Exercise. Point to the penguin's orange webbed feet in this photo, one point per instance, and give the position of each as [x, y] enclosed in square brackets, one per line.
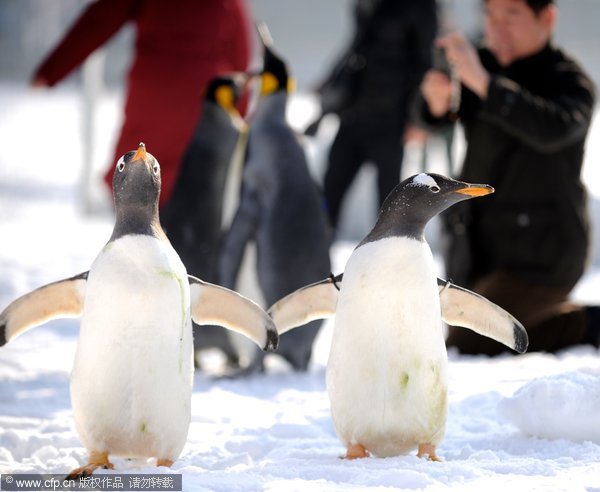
[355, 451]
[429, 451]
[97, 460]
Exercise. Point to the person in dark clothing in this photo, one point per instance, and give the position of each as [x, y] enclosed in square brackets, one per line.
[369, 90]
[526, 107]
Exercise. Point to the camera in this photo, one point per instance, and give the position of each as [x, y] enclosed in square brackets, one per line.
[440, 61]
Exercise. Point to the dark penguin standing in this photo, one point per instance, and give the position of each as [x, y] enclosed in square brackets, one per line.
[386, 373]
[280, 209]
[192, 218]
[132, 377]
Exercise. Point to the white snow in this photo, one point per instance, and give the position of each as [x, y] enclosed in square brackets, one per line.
[567, 407]
[270, 432]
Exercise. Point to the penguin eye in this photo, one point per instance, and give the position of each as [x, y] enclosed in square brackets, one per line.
[121, 166]
[156, 168]
[434, 188]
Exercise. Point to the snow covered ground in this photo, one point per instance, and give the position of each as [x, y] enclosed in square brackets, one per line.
[515, 423]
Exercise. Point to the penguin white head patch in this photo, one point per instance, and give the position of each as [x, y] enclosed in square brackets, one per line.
[424, 180]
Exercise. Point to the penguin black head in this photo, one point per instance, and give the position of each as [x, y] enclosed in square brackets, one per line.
[225, 90]
[136, 178]
[274, 75]
[136, 189]
[418, 199]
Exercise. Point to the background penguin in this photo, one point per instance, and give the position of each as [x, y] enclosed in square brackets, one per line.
[193, 217]
[386, 374]
[280, 209]
[132, 376]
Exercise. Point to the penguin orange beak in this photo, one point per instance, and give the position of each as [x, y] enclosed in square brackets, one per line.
[476, 190]
[141, 153]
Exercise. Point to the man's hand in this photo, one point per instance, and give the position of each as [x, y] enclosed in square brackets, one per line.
[436, 89]
[463, 57]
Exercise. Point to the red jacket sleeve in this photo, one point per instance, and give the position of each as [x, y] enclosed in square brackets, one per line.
[98, 22]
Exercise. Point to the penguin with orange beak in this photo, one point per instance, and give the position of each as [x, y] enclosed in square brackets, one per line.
[131, 382]
[387, 368]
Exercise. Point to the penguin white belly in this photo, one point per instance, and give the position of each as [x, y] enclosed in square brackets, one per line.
[132, 378]
[386, 374]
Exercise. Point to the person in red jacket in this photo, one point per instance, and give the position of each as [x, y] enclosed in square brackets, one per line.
[180, 46]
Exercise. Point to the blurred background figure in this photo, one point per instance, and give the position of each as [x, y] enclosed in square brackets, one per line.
[193, 217]
[180, 46]
[526, 107]
[369, 88]
[280, 210]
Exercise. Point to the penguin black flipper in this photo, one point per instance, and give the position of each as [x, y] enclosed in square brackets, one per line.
[60, 299]
[461, 307]
[315, 301]
[215, 305]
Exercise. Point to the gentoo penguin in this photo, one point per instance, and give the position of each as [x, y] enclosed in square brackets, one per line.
[192, 218]
[386, 374]
[132, 376]
[280, 209]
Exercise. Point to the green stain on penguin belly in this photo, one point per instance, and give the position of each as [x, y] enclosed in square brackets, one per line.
[172, 275]
[404, 378]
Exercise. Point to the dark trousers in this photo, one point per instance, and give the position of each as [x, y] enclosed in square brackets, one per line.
[352, 147]
[551, 321]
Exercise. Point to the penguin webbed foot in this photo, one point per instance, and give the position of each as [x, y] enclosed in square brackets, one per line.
[355, 451]
[97, 460]
[428, 450]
